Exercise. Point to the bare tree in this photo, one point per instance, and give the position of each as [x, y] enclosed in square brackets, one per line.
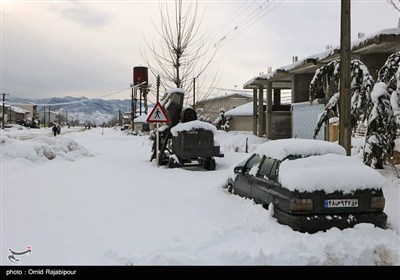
[395, 4]
[181, 54]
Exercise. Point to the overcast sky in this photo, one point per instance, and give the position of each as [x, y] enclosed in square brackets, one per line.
[88, 48]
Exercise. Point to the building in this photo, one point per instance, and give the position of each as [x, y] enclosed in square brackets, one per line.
[241, 117]
[31, 108]
[372, 50]
[210, 108]
[13, 114]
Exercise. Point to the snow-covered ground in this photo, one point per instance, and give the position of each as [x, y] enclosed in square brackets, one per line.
[100, 201]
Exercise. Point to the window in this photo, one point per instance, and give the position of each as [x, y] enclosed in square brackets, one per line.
[254, 160]
[267, 169]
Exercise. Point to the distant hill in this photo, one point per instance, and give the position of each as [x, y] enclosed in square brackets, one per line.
[85, 109]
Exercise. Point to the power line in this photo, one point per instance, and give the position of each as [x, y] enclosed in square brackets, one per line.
[253, 20]
[233, 16]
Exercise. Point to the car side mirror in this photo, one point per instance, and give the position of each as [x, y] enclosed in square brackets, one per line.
[238, 169]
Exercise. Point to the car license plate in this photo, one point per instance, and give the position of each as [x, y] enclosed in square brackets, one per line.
[336, 203]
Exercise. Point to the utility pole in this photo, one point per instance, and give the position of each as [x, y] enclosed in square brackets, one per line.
[158, 87]
[194, 93]
[44, 116]
[132, 111]
[3, 111]
[49, 117]
[140, 101]
[345, 78]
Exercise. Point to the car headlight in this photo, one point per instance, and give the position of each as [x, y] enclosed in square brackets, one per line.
[378, 202]
[300, 205]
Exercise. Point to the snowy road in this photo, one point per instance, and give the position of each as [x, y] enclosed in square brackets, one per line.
[110, 205]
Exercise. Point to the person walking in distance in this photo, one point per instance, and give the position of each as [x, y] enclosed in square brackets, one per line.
[55, 130]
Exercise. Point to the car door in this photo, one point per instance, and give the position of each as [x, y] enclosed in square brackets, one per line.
[264, 181]
[245, 178]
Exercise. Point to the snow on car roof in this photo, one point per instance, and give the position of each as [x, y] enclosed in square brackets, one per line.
[187, 126]
[280, 149]
[329, 173]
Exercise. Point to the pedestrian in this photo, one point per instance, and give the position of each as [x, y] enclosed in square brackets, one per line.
[55, 130]
[58, 129]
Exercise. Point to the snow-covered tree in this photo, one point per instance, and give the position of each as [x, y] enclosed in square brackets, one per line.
[381, 131]
[389, 74]
[222, 121]
[395, 99]
[361, 86]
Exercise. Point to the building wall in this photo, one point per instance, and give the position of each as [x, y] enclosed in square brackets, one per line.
[281, 123]
[211, 108]
[241, 123]
[32, 108]
[374, 62]
[300, 87]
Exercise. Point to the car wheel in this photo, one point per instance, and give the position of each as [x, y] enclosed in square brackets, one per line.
[231, 189]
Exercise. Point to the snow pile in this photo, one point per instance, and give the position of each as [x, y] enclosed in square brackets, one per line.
[188, 126]
[280, 149]
[234, 141]
[41, 148]
[315, 173]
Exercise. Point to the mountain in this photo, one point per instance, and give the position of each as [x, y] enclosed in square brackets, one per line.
[87, 110]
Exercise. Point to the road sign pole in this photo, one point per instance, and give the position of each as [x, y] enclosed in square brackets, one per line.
[157, 144]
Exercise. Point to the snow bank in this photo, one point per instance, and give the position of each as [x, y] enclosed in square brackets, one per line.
[234, 141]
[280, 149]
[188, 126]
[329, 173]
[41, 148]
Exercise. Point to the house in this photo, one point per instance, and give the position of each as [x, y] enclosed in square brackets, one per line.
[31, 108]
[210, 108]
[141, 124]
[241, 117]
[12, 114]
[372, 50]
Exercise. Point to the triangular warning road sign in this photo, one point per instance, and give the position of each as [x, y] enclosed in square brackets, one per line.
[158, 115]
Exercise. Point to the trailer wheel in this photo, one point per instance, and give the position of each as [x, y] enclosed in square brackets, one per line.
[209, 164]
[212, 164]
[171, 163]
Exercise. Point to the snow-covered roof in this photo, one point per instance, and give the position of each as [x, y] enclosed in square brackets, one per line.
[372, 36]
[14, 109]
[330, 173]
[261, 77]
[322, 55]
[187, 126]
[141, 118]
[228, 95]
[242, 110]
[280, 149]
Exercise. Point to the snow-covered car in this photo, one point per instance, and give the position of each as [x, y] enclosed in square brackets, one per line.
[311, 184]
